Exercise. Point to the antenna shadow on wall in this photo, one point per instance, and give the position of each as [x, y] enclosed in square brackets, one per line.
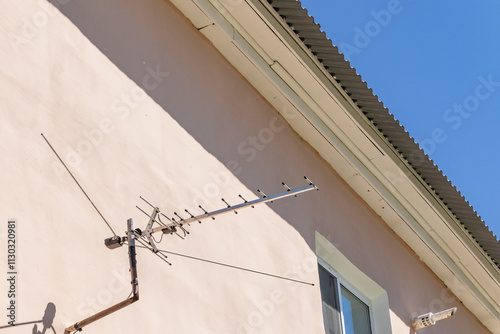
[46, 322]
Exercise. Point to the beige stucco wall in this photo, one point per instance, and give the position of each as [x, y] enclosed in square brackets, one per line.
[139, 103]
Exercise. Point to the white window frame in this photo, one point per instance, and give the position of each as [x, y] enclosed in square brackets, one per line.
[367, 290]
[338, 293]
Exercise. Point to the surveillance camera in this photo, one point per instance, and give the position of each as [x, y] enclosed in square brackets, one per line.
[430, 318]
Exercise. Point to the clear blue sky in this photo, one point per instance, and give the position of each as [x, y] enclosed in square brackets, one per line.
[436, 66]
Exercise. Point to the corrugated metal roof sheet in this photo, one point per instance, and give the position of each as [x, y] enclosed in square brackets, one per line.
[328, 54]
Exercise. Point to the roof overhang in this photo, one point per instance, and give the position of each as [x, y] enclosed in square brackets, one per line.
[256, 40]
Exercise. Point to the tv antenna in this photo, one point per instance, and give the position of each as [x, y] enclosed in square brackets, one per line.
[160, 223]
[171, 225]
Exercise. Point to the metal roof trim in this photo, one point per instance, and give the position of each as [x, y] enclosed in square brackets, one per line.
[298, 19]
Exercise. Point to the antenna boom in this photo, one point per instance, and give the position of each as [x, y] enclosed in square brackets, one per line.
[293, 192]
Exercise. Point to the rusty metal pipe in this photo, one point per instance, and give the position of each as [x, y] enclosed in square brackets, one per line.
[134, 281]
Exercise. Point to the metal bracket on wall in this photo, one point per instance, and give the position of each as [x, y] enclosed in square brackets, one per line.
[77, 327]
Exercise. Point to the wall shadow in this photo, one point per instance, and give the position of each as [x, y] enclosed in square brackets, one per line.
[163, 53]
[43, 326]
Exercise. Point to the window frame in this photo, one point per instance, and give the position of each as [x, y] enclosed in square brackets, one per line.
[342, 281]
[366, 289]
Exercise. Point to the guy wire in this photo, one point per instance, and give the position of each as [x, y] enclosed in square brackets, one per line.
[227, 265]
[99, 212]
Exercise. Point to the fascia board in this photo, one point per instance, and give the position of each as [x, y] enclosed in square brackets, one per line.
[319, 110]
[377, 139]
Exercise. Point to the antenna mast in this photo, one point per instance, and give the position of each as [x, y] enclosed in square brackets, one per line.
[77, 327]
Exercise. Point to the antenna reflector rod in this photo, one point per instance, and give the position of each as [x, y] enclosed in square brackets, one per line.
[206, 212]
[286, 187]
[164, 215]
[311, 183]
[264, 196]
[253, 206]
[192, 216]
[154, 207]
[228, 205]
[226, 202]
[182, 219]
[152, 217]
[174, 223]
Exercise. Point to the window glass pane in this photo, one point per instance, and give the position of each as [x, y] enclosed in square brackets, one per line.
[355, 313]
[331, 307]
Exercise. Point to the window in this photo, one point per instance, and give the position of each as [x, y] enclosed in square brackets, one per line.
[343, 311]
[359, 284]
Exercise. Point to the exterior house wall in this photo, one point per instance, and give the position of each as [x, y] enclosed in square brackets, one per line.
[138, 102]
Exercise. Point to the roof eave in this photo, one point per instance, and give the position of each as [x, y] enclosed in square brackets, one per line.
[261, 45]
